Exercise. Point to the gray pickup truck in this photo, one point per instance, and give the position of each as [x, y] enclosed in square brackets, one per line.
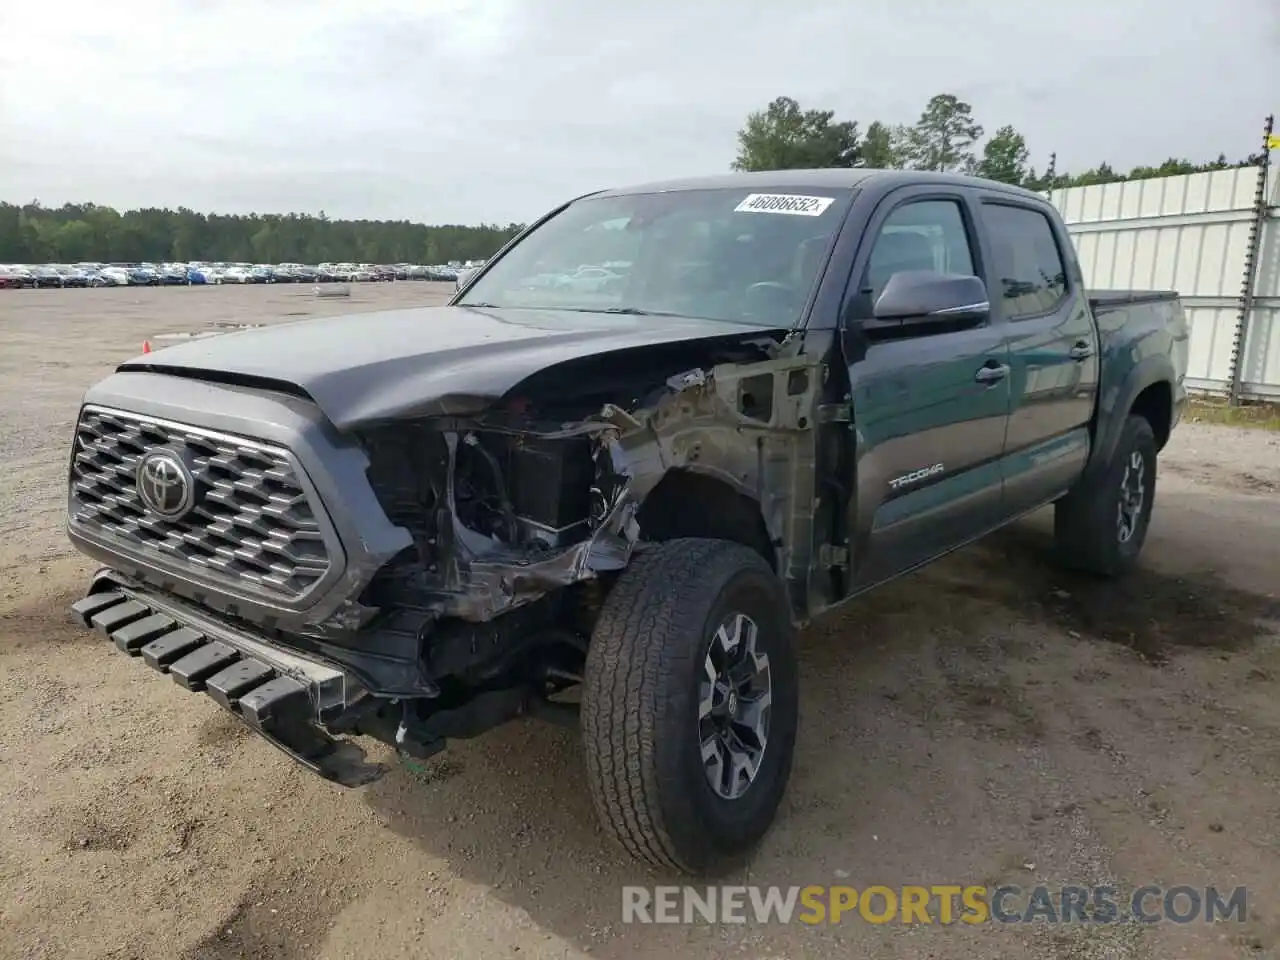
[609, 503]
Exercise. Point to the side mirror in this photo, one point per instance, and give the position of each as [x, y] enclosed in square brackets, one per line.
[463, 277]
[914, 297]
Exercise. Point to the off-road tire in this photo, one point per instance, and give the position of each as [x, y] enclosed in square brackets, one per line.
[1085, 524]
[640, 704]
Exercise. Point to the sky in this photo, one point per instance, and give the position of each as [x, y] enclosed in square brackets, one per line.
[453, 111]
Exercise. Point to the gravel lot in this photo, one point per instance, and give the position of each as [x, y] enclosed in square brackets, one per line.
[988, 720]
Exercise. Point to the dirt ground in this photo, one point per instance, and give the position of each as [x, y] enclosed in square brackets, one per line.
[988, 720]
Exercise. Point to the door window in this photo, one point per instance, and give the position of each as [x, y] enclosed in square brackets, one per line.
[1028, 264]
[921, 235]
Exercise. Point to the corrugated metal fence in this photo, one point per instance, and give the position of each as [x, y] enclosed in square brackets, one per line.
[1191, 234]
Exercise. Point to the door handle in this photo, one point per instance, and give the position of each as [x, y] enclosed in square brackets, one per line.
[1081, 351]
[992, 373]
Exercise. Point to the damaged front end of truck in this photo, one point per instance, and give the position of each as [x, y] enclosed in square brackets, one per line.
[501, 523]
[522, 515]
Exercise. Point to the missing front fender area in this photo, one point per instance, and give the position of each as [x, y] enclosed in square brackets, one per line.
[500, 513]
[510, 506]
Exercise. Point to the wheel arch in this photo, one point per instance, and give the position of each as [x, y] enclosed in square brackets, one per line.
[1155, 404]
[1147, 390]
[688, 502]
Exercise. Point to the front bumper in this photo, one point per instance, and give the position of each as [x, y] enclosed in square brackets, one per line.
[284, 696]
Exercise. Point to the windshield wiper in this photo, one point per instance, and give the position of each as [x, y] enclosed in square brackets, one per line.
[627, 312]
[615, 311]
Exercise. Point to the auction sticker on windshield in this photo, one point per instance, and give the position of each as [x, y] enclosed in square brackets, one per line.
[791, 204]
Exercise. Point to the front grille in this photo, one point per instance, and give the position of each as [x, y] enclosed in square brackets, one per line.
[251, 526]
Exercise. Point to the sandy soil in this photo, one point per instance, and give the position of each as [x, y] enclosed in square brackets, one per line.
[987, 720]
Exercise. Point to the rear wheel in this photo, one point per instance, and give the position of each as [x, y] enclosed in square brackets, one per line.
[690, 704]
[1100, 526]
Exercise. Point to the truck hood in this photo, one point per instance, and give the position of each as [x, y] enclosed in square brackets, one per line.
[370, 367]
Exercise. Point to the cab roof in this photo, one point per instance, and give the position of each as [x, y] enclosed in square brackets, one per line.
[831, 178]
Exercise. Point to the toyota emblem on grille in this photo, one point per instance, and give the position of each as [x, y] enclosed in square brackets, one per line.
[165, 485]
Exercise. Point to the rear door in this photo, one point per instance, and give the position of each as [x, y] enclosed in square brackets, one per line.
[929, 410]
[1037, 291]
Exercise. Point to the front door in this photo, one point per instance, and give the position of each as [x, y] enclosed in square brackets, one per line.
[929, 411]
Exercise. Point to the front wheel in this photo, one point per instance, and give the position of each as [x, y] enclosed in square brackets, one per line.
[1100, 526]
[690, 704]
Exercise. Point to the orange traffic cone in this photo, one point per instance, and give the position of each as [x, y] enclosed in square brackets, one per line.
[146, 346]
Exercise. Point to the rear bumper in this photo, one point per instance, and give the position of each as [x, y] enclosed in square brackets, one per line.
[282, 695]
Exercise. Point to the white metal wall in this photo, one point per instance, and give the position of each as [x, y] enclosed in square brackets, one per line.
[1190, 234]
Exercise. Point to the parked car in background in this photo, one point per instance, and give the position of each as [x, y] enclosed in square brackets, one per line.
[71, 276]
[590, 278]
[45, 276]
[14, 277]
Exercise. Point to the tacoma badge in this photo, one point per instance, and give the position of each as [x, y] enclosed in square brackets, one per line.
[915, 476]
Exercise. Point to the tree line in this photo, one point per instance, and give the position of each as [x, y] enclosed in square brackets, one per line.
[86, 232]
[945, 138]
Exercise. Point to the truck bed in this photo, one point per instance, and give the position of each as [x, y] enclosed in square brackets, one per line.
[1134, 328]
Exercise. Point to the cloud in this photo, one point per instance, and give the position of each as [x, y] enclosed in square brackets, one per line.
[494, 110]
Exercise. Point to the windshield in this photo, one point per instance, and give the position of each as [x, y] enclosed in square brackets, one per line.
[727, 255]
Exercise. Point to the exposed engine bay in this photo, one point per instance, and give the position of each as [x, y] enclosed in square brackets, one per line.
[534, 495]
[497, 513]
